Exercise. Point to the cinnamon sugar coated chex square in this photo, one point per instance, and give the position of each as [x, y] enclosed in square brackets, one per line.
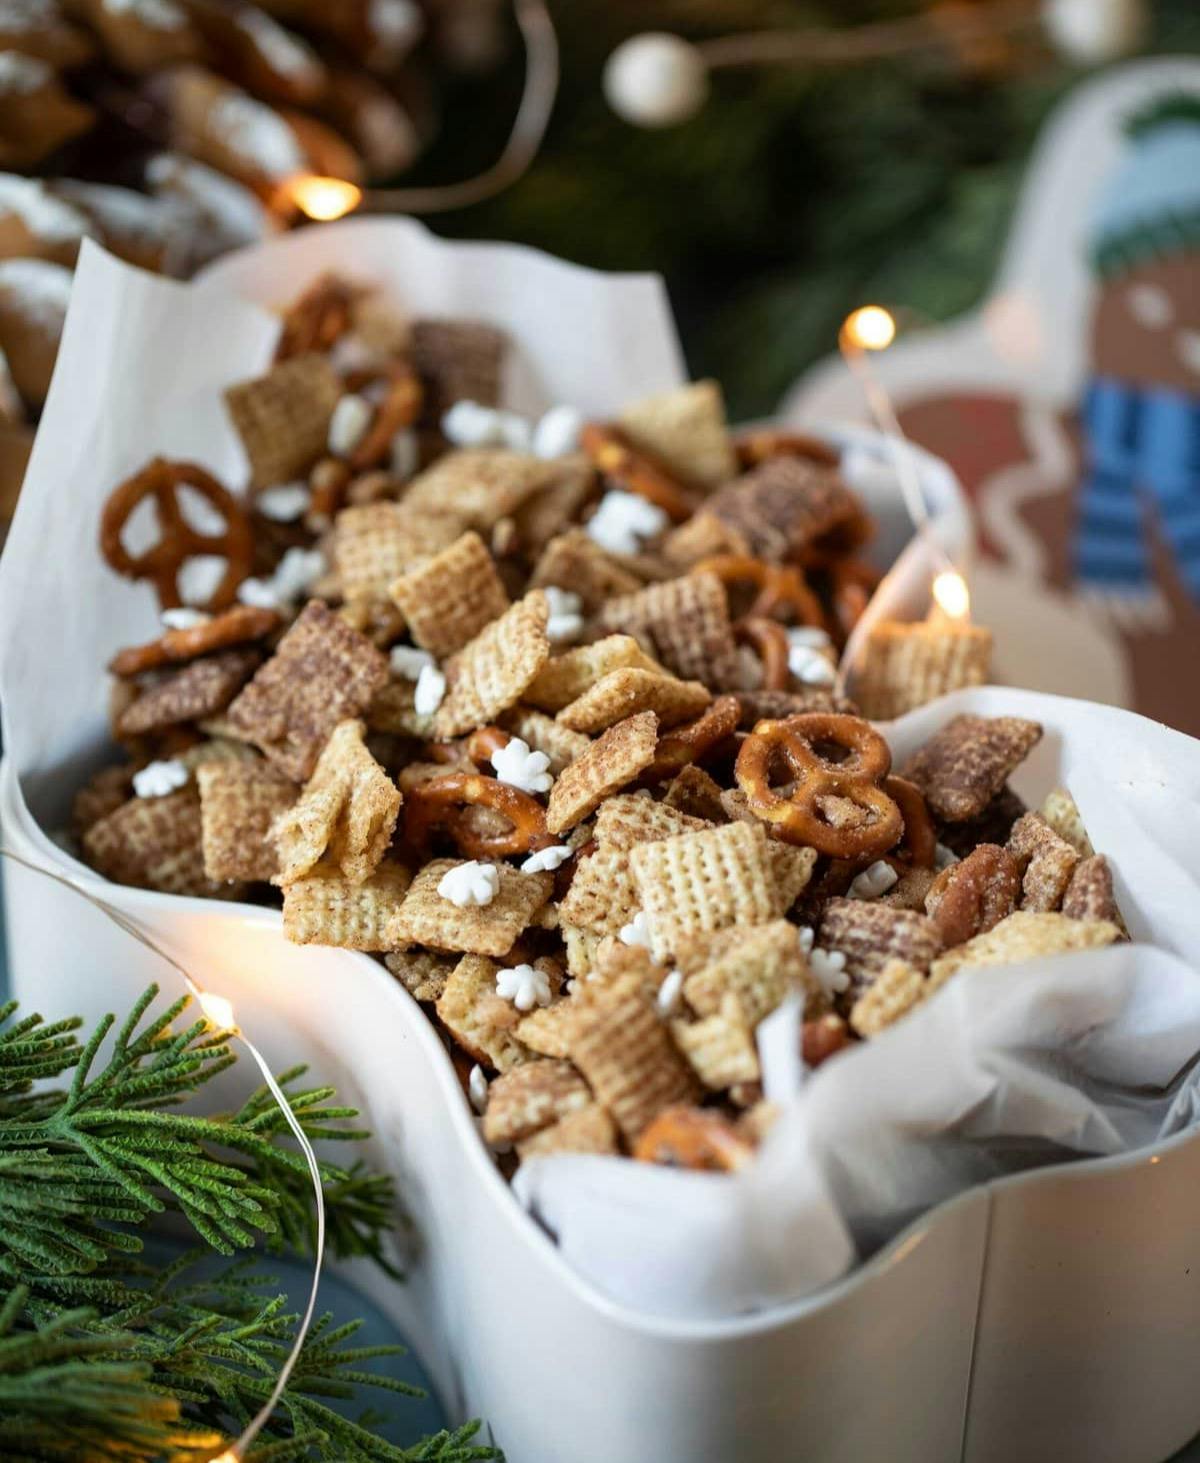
[479, 486]
[547, 1030]
[609, 764]
[492, 672]
[197, 690]
[422, 973]
[1046, 862]
[541, 733]
[780, 508]
[326, 908]
[904, 666]
[374, 544]
[457, 360]
[576, 562]
[531, 1097]
[719, 1048]
[1025, 935]
[239, 801]
[322, 672]
[1090, 895]
[346, 812]
[450, 597]
[871, 934]
[1061, 812]
[283, 418]
[966, 764]
[566, 677]
[153, 843]
[685, 623]
[624, 693]
[685, 429]
[894, 992]
[758, 965]
[480, 1020]
[428, 918]
[588, 1130]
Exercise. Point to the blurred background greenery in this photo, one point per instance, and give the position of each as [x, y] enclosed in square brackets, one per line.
[793, 196]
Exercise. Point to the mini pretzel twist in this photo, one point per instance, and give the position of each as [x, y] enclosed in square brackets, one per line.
[440, 801]
[236, 626]
[918, 848]
[612, 455]
[693, 1137]
[161, 481]
[796, 814]
[318, 319]
[683, 745]
[400, 408]
[755, 448]
[852, 584]
[769, 640]
[779, 586]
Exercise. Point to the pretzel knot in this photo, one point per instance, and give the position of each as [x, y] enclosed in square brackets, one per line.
[683, 745]
[403, 398]
[779, 586]
[768, 639]
[798, 812]
[442, 800]
[693, 1137]
[161, 481]
[612, 455]
[318, 319]
[918, 848]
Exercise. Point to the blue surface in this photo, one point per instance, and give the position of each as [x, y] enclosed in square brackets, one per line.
[408, 1418]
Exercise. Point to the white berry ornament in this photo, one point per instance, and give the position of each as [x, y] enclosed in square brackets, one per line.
[656, 80]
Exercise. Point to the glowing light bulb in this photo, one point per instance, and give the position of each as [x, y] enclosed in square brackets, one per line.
[320, 198]
[219, 1012]
[952, 595]
[229, 1456]
[870, 328]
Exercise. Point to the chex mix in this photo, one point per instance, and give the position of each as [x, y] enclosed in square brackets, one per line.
[547, 715]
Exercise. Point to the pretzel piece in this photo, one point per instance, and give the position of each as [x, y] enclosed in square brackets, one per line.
[798, 816]
[693, 1137]
[161, 481]
[235, 626]
[779, 586]
[684, 745]
[441, 799]
[611, 454]
[768, 639]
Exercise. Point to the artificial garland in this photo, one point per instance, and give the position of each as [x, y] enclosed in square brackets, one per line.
[105, 1356]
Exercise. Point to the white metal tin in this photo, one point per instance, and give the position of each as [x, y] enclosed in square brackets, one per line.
[1054, 1316]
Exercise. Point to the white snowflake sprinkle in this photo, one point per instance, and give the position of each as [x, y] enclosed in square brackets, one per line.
[623, 521]
[184, 618]
[348, 424]
[638, 932]
[557, 432]
[157, 779]
[260, 593]
[667, 999]
[284, 503]
[525, 986]
[829, 969]
[409, 662]
[430, 692]
[566, 614]
[943, 857]
[807, 937]
[811, 636]
[546, 860]
[477, 1086]
[517, 765]
[471, 885]
[471, 424]
[810, 667]
[404, 453]
[873, 881]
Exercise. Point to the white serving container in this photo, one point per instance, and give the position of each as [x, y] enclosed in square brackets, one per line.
[1052, 1316]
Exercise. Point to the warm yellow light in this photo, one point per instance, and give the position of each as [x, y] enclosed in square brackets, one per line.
[219, 1012]
[870, 328]
[227, 1457]
[321, 198]
[952, 595]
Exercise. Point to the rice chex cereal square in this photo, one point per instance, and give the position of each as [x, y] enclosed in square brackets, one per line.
[449, 598]
[426, 918]
[239, 801]
[480, 1020]
[193, 692]
[623, 693]
[283, 418]
[492, 672]
[685, 429]
[609, 763]
[685, 623]
[325, 908]
[966, 764]
[531, 1097]
[153, 843]
[373, 544]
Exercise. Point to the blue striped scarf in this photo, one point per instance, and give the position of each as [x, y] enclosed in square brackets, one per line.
[1142, 452]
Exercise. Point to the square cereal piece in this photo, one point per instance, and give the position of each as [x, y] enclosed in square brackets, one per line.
[628, 819]
[602, 897]
[994, 824]
[238, 803]
[904, 666]
[608, 765]
[283, 418]
[479, 485]
[425, 918]
[531, 1097]
[589, 1130]
[322, 672]
[685, 623]
[566, 677]
[449, 598]
[393, 711]
[543, 734]
[1061, 812]
[103, 793]
[347, 810]
[704, 880]
[478, 1019]
[422, 973]
[153, 843]
[1046, 862]
[629, 1061]
[1025, 935]
[547, 1029]
[197, 690]
[625, 692]
[493, 671]
[685, 429]
[325, 908]
[758, 964]
[1090, 893]
[695, 792]
[793, 870]
[373, 544]
[719, 1048]
[966, 764]
[217, 749]
[870, 934]
[898, 987]
[553, 509]
[783, 507]
[576, 562]
[457, 360]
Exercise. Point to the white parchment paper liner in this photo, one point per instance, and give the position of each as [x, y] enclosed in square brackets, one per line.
[1006, 1068]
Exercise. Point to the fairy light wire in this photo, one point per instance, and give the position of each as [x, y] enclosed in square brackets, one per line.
[210, 1004]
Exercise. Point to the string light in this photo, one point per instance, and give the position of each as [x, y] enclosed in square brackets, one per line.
[951, 595]
[870, 328]
[218, 1011]
[319, 198]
